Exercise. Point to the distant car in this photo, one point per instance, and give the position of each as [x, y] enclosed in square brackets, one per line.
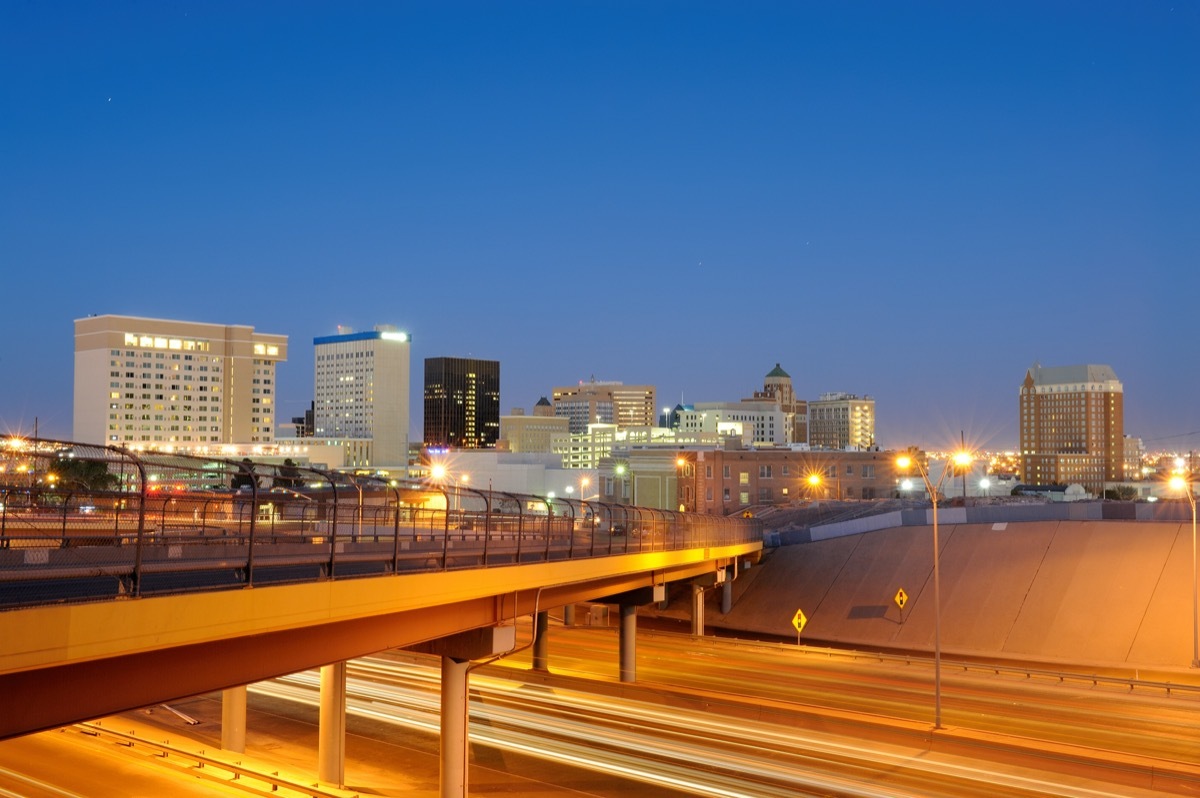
[618, 529]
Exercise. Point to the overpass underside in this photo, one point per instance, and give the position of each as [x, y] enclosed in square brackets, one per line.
[66, 663]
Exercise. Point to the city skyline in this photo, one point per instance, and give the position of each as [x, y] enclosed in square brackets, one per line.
[913, 203]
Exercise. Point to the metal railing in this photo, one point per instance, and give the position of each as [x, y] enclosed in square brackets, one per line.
[88, 523]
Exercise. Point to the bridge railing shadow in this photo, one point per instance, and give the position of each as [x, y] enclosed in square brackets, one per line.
[89, 523]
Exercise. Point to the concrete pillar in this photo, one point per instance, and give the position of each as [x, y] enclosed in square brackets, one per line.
[697, 610]
[233, 719]
[569, 615]
[541, 641]
[454, 751]
[726, 595]
[456, 652]
[627, 642]
[331, 735]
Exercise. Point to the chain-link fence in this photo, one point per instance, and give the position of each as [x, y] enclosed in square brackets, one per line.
[81, 523]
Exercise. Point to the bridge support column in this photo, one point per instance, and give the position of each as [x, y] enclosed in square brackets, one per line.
[627, 644]
[233, 719]
[456, 652]
[569, 614]
[629, 601]
[541, 641]
[727, 595]
[699, 585]
[454, 752]
[331, 743]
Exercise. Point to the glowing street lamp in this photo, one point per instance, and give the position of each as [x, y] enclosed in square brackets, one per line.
[814, 481]
[960, 460]
[1183, 483]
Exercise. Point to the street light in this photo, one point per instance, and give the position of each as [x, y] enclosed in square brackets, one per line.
[1180, 482]
[959, 460]
[439, 473]
[816, 481]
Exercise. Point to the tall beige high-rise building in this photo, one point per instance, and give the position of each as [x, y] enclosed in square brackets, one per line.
[841, 421]
[1072, 426]
[361, 394]
[174, 384]
[605, 402]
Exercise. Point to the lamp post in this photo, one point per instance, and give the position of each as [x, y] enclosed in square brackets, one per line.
[904, 462]
[816, 481]
[441, 475]
[1184, 483]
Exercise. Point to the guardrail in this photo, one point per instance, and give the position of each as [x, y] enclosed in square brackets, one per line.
[1015, 670]
[249, 778]
[85, 523]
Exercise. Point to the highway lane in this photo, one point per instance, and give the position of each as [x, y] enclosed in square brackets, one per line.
[1145, 721]
[699, 752]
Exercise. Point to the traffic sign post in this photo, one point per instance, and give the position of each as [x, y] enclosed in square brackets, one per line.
[901, 598]
[798, 621]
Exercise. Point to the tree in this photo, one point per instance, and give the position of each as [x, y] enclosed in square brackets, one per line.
[244, 478]
[74, 473]
[289, 475]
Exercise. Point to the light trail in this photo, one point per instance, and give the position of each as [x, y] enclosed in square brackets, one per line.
[687, 750]
[38, 783]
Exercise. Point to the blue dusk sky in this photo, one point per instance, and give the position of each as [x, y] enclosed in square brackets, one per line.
[910, 200]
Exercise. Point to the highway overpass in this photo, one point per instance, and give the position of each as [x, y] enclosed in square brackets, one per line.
[142, 579]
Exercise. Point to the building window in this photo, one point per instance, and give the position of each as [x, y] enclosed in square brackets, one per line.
[764, 472]
[744, 478]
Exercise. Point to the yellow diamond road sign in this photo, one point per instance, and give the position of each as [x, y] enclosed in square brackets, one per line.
[901, 598]
[799, 621]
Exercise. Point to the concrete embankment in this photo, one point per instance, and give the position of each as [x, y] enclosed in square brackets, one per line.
[1104, 592]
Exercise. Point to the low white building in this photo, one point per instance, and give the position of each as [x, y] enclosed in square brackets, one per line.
[750, 421]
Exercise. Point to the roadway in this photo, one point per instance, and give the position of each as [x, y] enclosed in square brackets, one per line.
[1025, 700]
[730, 718]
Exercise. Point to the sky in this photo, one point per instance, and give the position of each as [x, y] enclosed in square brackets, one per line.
[914, 201]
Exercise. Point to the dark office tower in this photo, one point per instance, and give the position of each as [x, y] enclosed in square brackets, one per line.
[462, 402]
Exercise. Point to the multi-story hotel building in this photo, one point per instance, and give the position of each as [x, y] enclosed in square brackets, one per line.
[605, 402]
[174, 384]
[1072, 426]
[361, 394]
[841, 421]
[462, 402]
